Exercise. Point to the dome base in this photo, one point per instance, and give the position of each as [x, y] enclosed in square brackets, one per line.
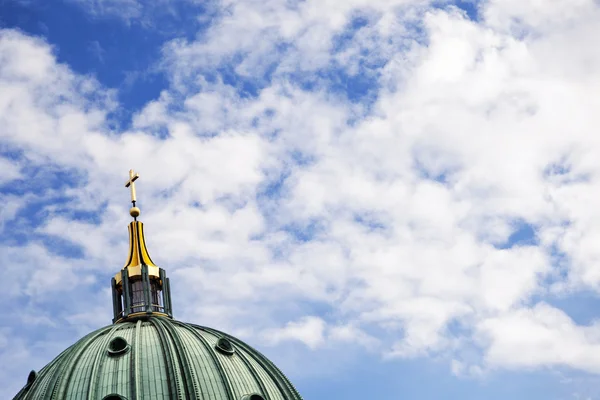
[161, 359]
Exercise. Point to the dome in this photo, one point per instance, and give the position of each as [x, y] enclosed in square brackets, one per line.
[147, 355]
[159, 358]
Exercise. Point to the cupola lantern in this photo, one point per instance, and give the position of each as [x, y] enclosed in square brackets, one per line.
[141, 288]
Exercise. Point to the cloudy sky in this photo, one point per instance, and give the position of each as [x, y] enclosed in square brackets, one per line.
[389, 198]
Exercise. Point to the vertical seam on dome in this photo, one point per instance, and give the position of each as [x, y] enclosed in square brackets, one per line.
[186, 366]
[134, 384]
[276, 373]
[43, 380]
[98, 362]
[262, 386]
[210, 351]
[172, 380]
[27, 391]
[282, 382]
[59, 381]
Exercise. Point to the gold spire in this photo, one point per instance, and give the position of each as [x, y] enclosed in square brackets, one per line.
[138, 254]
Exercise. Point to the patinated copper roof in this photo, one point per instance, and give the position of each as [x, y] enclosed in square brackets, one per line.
[162, 359]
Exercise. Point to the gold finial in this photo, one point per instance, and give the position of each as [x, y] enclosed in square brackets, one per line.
[134, 211]
[137, 245]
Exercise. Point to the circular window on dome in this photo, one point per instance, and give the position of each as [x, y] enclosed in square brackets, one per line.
[114, 396]
[253, 396]
[31, 378]
[118, 346]
[225, 346]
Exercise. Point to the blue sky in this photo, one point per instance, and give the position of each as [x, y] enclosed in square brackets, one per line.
[391, 199]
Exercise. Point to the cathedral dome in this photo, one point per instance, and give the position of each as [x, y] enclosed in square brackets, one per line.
[159, 358]
[147, 355]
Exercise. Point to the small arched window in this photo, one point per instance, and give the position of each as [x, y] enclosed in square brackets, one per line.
[114, 396]
[253, 396]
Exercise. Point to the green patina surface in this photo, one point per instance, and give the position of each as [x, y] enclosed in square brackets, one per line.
[161, 359]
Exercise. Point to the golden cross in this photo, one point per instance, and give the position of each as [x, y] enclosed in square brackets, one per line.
[132, 177]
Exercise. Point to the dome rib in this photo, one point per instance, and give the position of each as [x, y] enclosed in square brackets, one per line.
[172, 376]
[48, 380]
[209, 350]
[135, 361]
[40, 385]
[99, 362]
[248, 365]
[185, 365]
[282, 382]
[67, 366]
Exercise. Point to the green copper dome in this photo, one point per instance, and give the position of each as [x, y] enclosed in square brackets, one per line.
[146, 355]
[162, 359]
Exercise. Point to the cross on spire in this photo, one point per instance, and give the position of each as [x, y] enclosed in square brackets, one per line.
[130, 184]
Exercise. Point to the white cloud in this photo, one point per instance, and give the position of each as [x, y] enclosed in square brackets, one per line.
[478, 106]
[541, 16]
[308, 330]
[542, 335]
[314, 332]
[9, 171]
[352, 334]
[394, 217]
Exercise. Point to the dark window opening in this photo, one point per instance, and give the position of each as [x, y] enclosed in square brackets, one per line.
[138, 301]
[137, 297]
[118, 346]
[156, 295]
[253, 396]
[225, 346]
[114, 396]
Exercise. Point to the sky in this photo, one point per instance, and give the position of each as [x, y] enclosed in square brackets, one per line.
[391, 199]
